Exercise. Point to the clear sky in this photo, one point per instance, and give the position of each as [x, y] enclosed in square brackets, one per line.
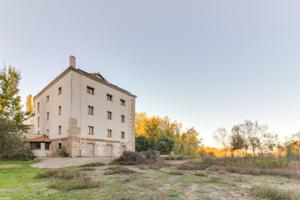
[207, 64]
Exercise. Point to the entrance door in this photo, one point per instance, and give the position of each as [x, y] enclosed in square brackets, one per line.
[109, 150]
[90, 150]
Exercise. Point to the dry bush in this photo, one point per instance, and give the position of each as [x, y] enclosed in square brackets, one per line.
[95, 164]
[271, 193]
[81, 182]
[130, 158]
[118, 170]
[257, 171]
[59, 174]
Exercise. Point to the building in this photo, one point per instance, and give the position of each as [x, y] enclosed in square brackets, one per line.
[84, 114]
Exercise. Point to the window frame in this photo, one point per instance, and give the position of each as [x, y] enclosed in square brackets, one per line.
[109, 115]
[59, 130]
[123, 118]
[91, 130]
[59, 91]
[90, 90]
[123, 102]
[122, 134]
[109, 133]
[90, 108]
[109, 97]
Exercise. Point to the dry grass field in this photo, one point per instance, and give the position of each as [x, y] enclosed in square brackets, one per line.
[18, 180]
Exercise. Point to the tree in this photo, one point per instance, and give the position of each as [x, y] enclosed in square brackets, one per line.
[251, 132]
[29, 105]
[141, 143]
[269, 142]
[236, 140]
[188, 143]
[221, 136]
[12, 144]
[165, 145]
[10, 101]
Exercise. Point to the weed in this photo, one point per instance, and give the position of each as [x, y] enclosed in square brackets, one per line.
[118, 170]
[175, 173]
[73, 184]
[95, 164]
[271, 193]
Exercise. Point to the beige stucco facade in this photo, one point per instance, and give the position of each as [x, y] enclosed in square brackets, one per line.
[62, 113]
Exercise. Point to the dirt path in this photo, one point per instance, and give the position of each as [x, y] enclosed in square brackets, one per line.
[68, 162]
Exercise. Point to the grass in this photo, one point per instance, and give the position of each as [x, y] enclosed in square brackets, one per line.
[95, 164]
[271, 193]
[21, 181]
[175, 173]
[118, 170]
[77, 183]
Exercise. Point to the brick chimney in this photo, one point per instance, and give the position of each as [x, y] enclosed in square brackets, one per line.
[72, 61]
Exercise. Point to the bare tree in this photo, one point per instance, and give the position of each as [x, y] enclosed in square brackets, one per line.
[221, 136]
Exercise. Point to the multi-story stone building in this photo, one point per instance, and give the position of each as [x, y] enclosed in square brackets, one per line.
[83, 113]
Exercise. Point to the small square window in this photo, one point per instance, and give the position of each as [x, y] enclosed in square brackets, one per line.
[109, 115]
[109, 97]
[109, 133]
[48, 98]
[122, 118]
[38, 121]
[47, 131]
[59, 90]
[48, 115]
[90, 90]
[122, 101]
[59, 130]
[122, 135]
[90, 110]
[91, 130]
[59, 145]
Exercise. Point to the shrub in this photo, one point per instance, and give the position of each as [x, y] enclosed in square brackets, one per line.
[96, 164]
[130, 158]
[118, 170]
[152, 155]
[62, 152]
[271, 193]
[78, 183]
[59, 174]
[175, 173]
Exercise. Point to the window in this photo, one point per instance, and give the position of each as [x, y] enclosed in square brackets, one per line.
[38, 132]
[109, 115]
[59, 91]
[35, 145]
[122, 101]
[91, 110]
[90, 90]
[122, 135]
[48, 98]
[109, 132]
[38, 122]
[91, 130]
[59, 145]
[59, 130]
[59, 110]
[38, 107]
[47, 146]
[109, 97]
[48, 115]
[47, 131]
[123, 118]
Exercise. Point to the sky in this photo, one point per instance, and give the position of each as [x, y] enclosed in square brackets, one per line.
[204, 63]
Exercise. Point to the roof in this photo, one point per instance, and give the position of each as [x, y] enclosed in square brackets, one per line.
[94, 76]
[37, 138]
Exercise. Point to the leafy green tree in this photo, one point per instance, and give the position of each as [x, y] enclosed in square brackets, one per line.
[141, 143]
[10, 101]
[165, 145]
[12, 144]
